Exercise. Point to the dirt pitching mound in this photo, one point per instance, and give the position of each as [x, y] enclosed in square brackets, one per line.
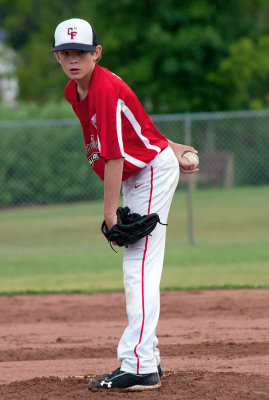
[214, 345]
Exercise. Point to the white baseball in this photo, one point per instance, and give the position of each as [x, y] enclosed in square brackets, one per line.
[191, 158]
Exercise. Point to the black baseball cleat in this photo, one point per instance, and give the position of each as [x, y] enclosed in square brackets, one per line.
[159, 366]
[126, 382]
[102, 376]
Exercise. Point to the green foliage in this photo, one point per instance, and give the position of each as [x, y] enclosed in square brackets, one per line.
[41, 167]
[54, 109]
[30, 28]
[243, 74]
[178, 56]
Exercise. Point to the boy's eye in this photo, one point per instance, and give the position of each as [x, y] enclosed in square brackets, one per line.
[67, 53]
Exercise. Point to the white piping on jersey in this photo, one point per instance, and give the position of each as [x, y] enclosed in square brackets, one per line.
[127, 157]
[94, 121]
[130, 116]
[119, 128]
[135, 161]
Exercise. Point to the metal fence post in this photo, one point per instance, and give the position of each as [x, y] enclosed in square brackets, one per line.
[188, 140]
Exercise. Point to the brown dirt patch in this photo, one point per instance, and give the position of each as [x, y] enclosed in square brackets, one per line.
[214, 345]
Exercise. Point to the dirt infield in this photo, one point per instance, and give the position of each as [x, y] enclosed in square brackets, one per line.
[214, 345]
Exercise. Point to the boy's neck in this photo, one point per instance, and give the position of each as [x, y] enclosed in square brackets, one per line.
[83, 86]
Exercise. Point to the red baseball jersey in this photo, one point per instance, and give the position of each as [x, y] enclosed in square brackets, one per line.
[115, 124]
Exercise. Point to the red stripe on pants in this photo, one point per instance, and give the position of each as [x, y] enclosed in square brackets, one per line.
[142, 278]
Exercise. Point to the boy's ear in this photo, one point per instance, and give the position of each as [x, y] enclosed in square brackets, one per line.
[98, 52]
[56, 55]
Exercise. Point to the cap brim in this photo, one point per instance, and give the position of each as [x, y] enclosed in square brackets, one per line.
[74, 46]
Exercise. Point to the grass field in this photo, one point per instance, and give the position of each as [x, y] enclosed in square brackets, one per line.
[60, 248]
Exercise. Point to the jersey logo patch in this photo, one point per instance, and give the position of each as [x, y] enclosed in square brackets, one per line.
[93, 157]
[92, 150]
[91, 146]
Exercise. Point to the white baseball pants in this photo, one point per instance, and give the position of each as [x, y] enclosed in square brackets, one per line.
[150, 190]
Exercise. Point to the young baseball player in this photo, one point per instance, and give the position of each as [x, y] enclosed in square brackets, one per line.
[125, 150]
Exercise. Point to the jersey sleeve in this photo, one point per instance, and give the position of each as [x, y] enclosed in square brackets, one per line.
[108, 122]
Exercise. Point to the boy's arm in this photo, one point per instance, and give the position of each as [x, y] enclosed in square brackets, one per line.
[179, 150]
[112, 188]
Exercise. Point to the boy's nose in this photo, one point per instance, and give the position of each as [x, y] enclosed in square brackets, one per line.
[74, 56]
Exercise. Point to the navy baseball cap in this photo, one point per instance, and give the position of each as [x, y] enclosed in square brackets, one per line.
[75, 34]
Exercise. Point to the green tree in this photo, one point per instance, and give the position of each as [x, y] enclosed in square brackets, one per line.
[178, 56]
[30, 27]
[243, 75]
[170, 59]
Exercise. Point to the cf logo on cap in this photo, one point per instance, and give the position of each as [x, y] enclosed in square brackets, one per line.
[71, 33]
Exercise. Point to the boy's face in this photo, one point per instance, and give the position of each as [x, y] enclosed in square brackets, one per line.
[78, 64]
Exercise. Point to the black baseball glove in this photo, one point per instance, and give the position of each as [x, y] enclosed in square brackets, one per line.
[130, 227]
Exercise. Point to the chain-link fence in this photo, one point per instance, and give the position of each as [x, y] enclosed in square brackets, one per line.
[43, 162]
